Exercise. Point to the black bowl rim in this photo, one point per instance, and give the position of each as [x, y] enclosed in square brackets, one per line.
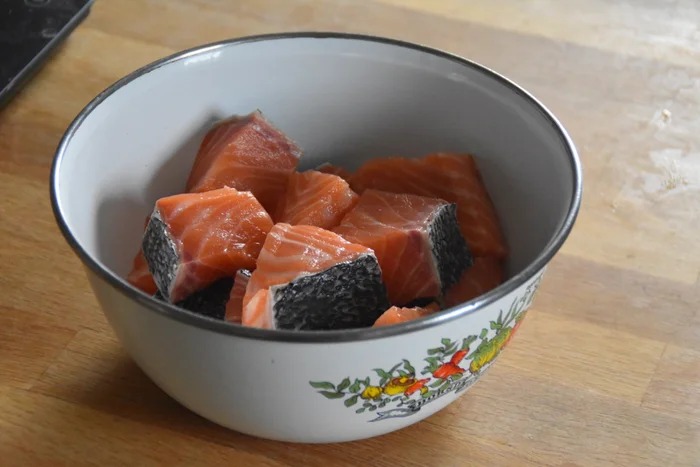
[351, 335]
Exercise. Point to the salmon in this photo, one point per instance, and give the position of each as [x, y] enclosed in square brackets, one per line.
[209, 301]
[246, 153]
[315, 198]
[308, 278]
[258, 312]
[416, 239]
[234, 305]
[454, 178]
[140, 276]
[396, 315]
[484, 275]
[334, 170]
[194, 239]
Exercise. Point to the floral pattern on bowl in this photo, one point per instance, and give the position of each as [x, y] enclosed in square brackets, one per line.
[453, 366]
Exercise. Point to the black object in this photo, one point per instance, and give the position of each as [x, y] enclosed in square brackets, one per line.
[450, 249]
[345, 296]
[29, 31]
[210, 301]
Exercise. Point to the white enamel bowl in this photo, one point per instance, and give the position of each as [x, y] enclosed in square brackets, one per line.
[345, 99]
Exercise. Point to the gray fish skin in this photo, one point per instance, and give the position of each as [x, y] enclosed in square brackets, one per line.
[210, 301]
[345, 296]
[161, 254]
[450, 250]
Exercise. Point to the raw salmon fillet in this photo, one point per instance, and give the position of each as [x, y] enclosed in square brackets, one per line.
[484, 275]
[258, 313]
[452, 177]
[234, 306]
[246, 153]
[396, 315]
[334, 170]
[194, 239]
[308, 278]
[315, 198]
[139, 276]
[416, 239]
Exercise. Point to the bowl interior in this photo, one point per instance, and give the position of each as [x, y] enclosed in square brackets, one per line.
[345, 100]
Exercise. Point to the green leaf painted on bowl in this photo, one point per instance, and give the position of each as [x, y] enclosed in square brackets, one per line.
[344, 384]
[355, 386]
[351, 400]
[381, 373]
[432, 360]
[467, 342]
[322, 385]
[436, 383]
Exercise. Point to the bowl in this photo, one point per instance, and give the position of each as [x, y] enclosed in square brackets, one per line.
[345, 98]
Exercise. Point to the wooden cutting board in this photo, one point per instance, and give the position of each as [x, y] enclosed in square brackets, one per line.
[604, 372]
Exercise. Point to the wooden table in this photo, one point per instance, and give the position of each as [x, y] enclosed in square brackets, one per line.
[606, 369]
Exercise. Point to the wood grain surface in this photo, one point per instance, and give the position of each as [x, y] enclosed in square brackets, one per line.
[604, 372]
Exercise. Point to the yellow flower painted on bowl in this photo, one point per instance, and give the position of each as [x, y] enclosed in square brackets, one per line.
[371, 392]
[398, 385]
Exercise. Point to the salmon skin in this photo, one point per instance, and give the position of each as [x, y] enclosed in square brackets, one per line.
[209, 301]
[139, 276]
[246, 153]
[416, 239]
[486, 274]
[234, 305]
[396, 315]
[334, 170]
[194, 239]
[315, 198]
[454, 178]
[308, 278]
